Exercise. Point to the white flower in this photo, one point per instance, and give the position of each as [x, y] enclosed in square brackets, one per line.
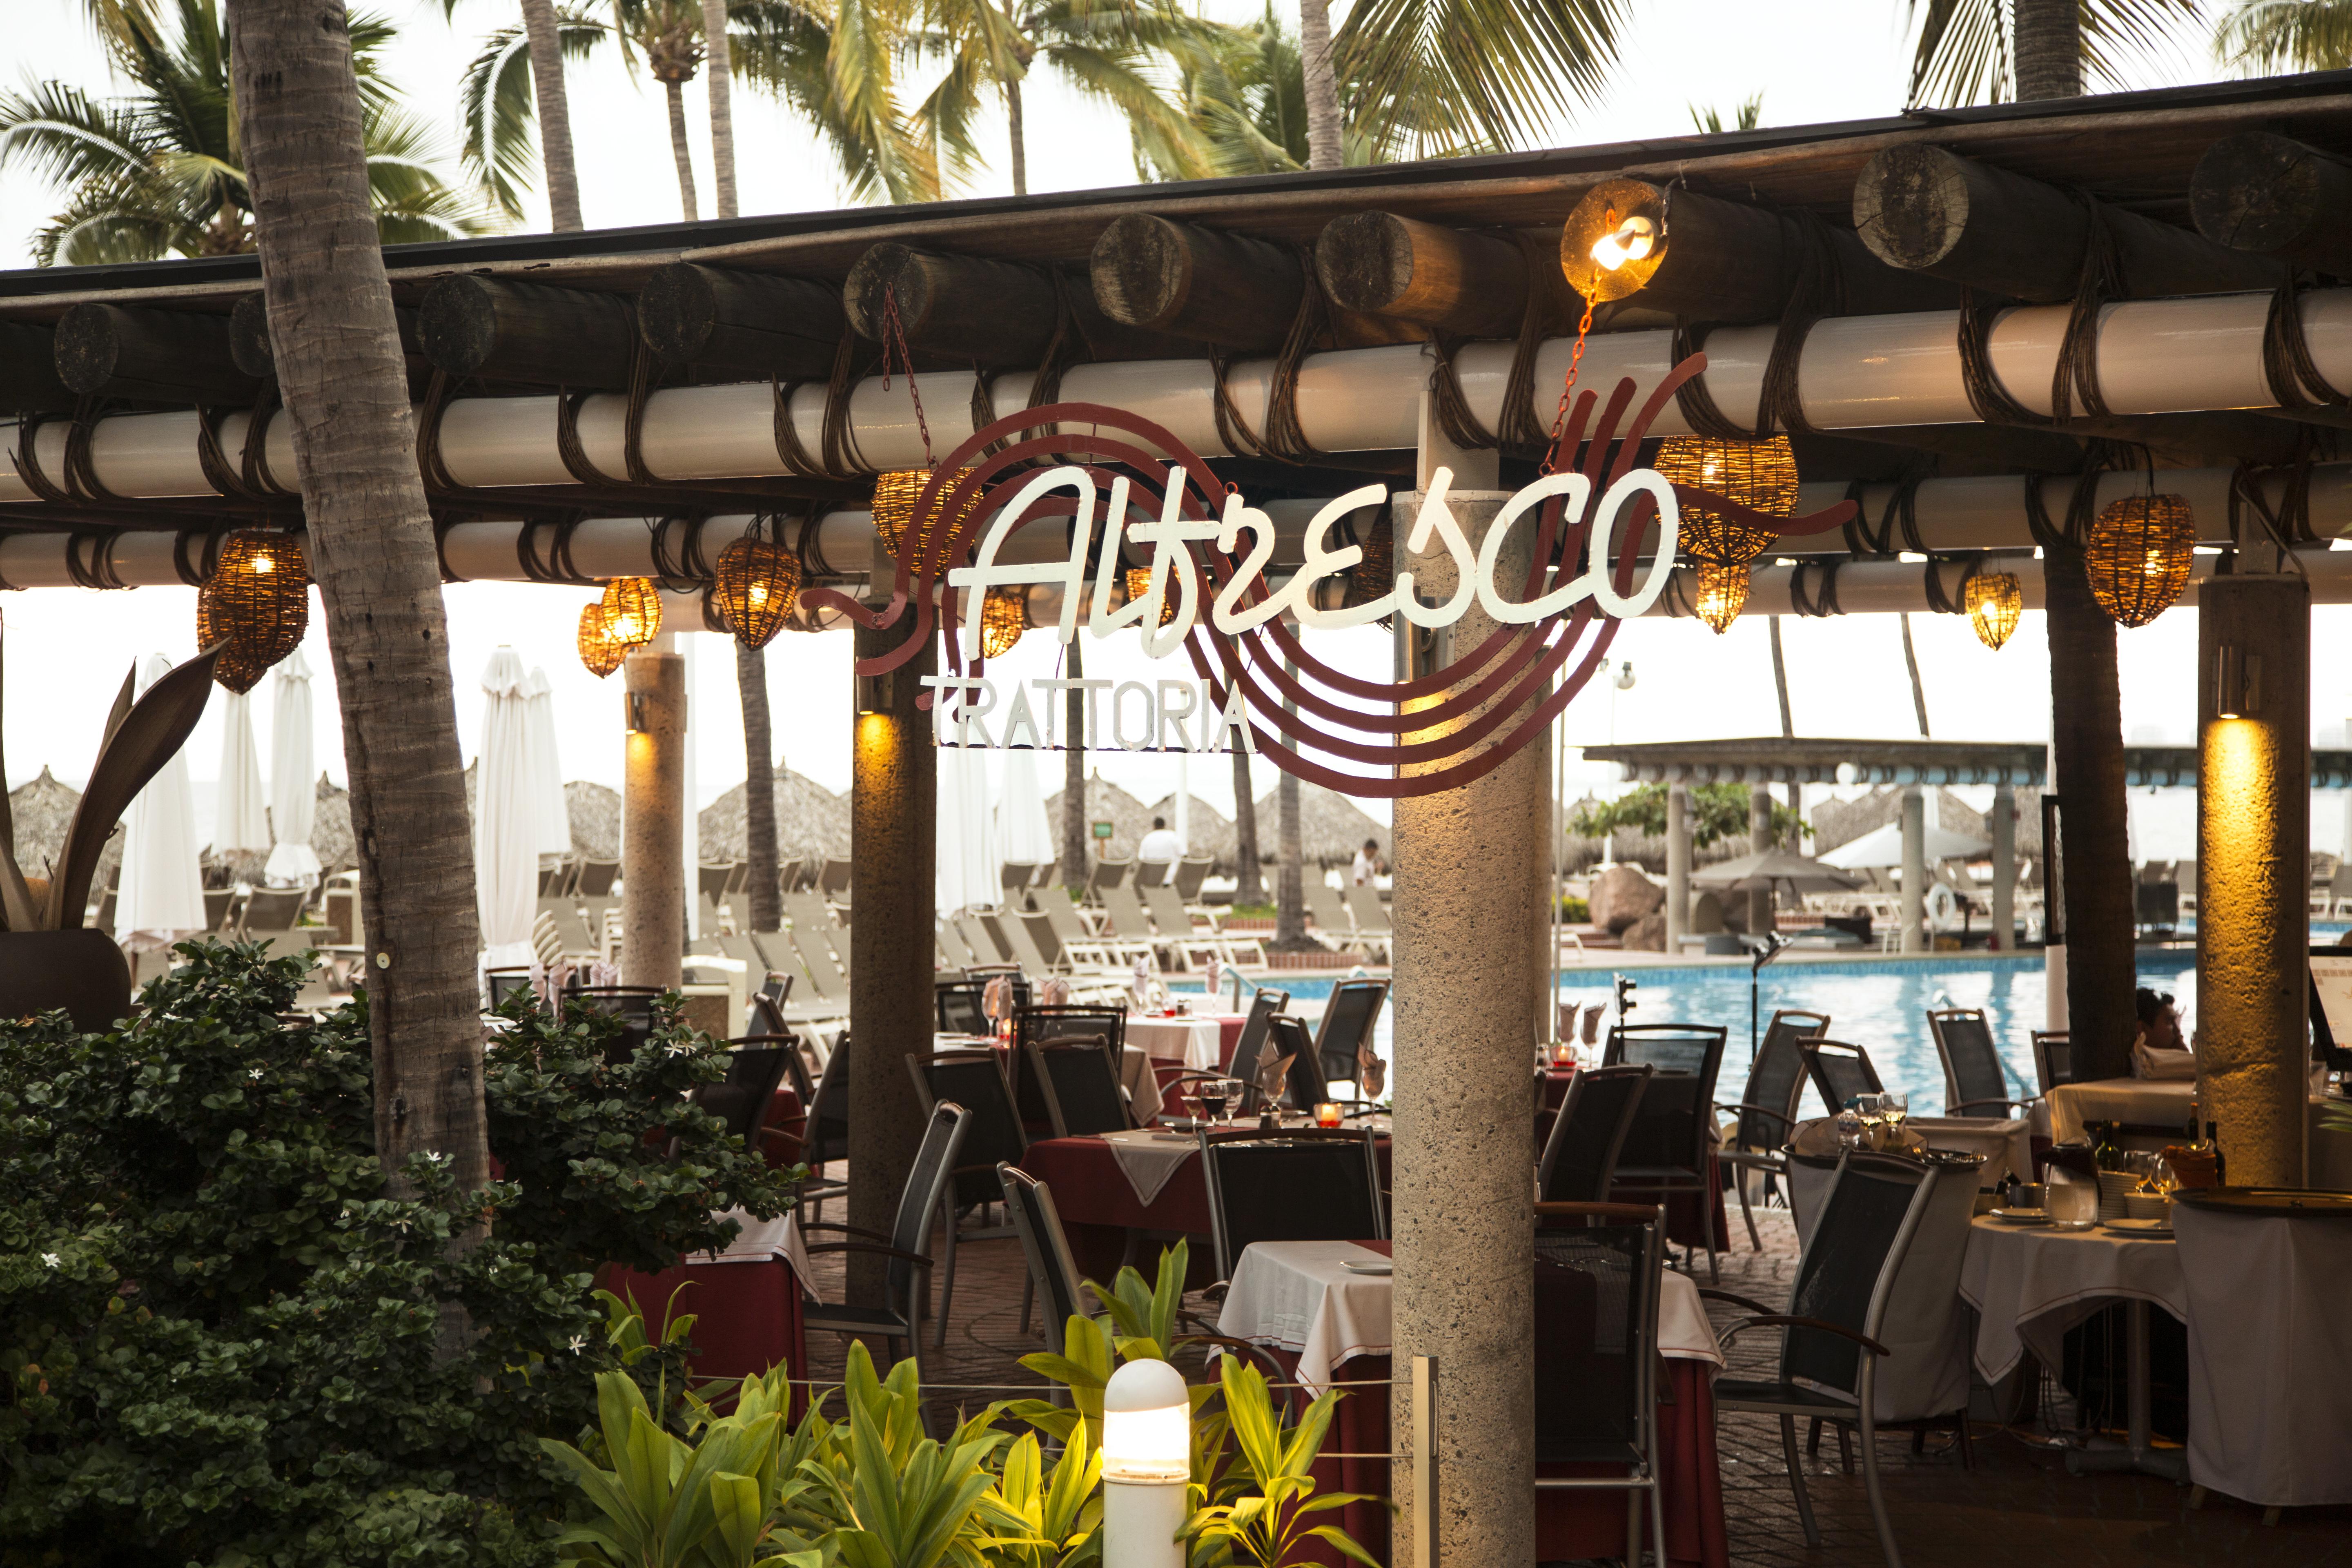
[254, 1073]
[403, 1223]
[579, 1343]
[49, 1259]
[678, 1047]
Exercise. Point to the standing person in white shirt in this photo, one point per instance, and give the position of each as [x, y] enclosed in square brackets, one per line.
[1367, 863]
[1161, 842]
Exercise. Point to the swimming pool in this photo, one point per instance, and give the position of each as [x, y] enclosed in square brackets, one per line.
[1881, 1007]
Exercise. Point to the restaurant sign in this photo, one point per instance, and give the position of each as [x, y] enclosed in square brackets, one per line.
[1121, 489]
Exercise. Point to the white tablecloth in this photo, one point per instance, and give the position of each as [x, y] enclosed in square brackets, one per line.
[762, 1240]
[2030, 1284]
[1192, 1041]
[2270, 1369]
[1298, 1295]
[2006, 1146]
[2142, 1102]
[1148, 1159]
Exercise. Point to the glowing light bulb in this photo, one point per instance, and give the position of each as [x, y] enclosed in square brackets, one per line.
[263, 565]
[1632, 241]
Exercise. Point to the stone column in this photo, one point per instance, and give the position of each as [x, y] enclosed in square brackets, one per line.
[653, 837]
[2254, 844]
[2005, 868]
[1678, 865]
[1915, 869]
[893, 801]
[1760, 839]
[1469, 889]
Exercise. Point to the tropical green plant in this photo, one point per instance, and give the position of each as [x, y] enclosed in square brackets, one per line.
[1968, 51]
[1267, 1522]
[221, 1325]
[2263, 37]
[1441, 76]
[1745, 115]
[1718, 812]
[498, 106]
[158, 172]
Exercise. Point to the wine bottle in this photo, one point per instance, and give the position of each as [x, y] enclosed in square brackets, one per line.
[2220, 1162]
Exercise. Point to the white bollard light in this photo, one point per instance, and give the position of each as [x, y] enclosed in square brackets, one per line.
[1147, 1447]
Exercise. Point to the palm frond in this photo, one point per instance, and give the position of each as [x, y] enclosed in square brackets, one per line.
[1500, 67]
[59, 133]
[1965, 50]
[497, 112]
[2265, 38]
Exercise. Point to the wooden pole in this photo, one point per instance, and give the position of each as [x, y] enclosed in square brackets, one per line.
[154, 357]
[745, 324]
[1225, 289]
[653, 821]
[1074, 776]
[2005, 868]
[496, 330]
[1760, 839]
[893, 802]
[1729, 262]
[994, 314]
[1678, 865]
[1915, 869]
[2086, 746]
[1455, 281]
[1926, 210]
[2261, 192]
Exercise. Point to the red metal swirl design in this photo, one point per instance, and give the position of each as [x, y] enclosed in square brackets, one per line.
[1465, 719]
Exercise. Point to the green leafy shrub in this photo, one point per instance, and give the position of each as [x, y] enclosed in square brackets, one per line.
[227, 1339]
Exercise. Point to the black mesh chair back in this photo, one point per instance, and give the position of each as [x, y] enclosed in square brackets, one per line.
[1580, 1158]
[1249, 1046]
[1670, 1137]
[960, 1006]
[827, 1136]
[1868, 1216]
[1287, 1036]
[634, 1006]
[1076, 1079]
[507, 981]
[1346, 1031]
[1596, 1314]
[1105, 1024]
[1840, 1072]
[2053, 1057]
[974, 1080]
[927, 1184]
[741, 1099]
[1669, 1048]
[1307, 1185]
[1975, 1082]
[1775, 1079]
[796, 1062]
[1052, 1267]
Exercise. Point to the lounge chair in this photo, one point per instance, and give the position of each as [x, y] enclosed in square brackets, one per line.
[1193, 938]
[953, 948]
[597, 877]
[833, 881]
[1371, 916]
[573, 939]
[1335, 928]
[1076, 944]
[826, 978]
[987, 952]
[1129, 924]
[1191, 873]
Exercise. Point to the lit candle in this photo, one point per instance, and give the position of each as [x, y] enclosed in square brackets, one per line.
[1326, 1114]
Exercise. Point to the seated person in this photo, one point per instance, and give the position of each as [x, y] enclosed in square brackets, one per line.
[2159, 1051]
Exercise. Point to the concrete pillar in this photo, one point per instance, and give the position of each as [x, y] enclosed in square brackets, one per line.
[2254, 844]
[1915, 870]
[652, 824]
[1678, 865]
[893, 804]
[1469, 889]
[1759, 838]
[2005, 868]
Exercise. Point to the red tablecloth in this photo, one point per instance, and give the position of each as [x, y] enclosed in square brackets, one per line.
[1568, 1525]
[781, 1134]
[747, 1315]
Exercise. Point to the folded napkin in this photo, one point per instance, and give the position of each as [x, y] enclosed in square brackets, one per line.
[1147, 1160]
[2168, 1066]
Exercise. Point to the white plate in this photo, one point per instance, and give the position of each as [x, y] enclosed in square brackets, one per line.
[2019, 1216]
[1382, 1267]
[2073, 1224]
[2140, 1227]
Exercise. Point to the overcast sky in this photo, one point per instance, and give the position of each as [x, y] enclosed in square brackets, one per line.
[1823, 60]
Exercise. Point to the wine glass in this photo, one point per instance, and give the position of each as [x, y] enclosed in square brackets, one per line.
[1895, 1106]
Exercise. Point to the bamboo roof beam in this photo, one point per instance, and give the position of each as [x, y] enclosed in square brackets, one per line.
[2276, 197]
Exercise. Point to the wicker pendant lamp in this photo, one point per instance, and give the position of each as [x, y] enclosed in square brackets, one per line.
[896, 495]
[758, 582]
[1993, 602]
[1139, 587]
[1760, 475]
[258, 602]
[1722, 592]
[2138, 556]
[600, 650]
[633, 611]
[1003, 617]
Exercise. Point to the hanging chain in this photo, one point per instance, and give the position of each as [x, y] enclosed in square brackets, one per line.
[1566, 389]
[894, 336]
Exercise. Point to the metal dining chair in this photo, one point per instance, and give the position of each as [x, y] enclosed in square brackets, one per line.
[994, 1137]
[2053, 1057]
[1766, 1110]
[1075, 1078]
[1250, 1044]
[907, 1277]
[1054, 1277]
[744, 1097]
[1839, 1071]
[1343, 1040]
[1670, 1148]
[1580, 1158]
[1976, 1080]
[1305, 1184]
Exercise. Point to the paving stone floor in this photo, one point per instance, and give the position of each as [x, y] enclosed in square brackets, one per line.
[2019, 1506]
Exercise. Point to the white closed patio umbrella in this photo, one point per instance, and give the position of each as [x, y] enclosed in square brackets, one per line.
[240, 820]
[1881, 848]
[293, 789]
[162, 891]
[1024, 835]
[505, 813]
[966, 870]
[552, 813]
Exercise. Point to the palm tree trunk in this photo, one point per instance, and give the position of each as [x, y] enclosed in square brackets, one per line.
[1074, 780]
[2087, 741]
[1289, 872]
[717, 81]
[1249, 887]
[1780, 681]
[554, 114]
[759, 790]
[2048, 49]
[1911, 663]
[1325, 148]
[679, 149]
[1015, 123]
[372, 552]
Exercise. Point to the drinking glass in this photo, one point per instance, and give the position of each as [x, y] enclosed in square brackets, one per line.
[1895, 1106]
[1234, 1091]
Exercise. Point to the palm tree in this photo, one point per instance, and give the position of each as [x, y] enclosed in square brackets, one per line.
[719, 92]
[159, 172]
[2267, 37]
[1109, 49]
[301, 121]
[497, 102]
[1989, 51]
[546, 45]
[1447, 75]
[1745, 115]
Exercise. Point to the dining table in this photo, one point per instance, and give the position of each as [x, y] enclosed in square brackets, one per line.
[745, 1300]
[2071, 1109]
[1324, 1316]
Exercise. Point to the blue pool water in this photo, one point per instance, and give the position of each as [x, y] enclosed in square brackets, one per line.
[1881, 1007]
